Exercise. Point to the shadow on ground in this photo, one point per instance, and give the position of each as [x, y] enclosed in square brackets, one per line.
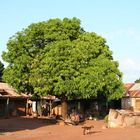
[20, 123]
[93, 132]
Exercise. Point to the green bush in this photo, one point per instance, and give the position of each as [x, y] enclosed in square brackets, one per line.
[106, 119]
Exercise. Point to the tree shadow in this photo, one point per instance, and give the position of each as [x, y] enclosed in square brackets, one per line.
[20, 123]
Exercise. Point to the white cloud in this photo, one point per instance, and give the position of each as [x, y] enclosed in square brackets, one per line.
[130, 69]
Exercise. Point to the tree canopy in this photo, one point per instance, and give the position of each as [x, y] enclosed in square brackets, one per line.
[1, 70]
[58, 57]
[137, 80]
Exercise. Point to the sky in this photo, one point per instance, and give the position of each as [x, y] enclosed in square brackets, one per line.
[118, 21]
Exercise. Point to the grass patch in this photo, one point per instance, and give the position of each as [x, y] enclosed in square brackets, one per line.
[106, 119]
[2, 133]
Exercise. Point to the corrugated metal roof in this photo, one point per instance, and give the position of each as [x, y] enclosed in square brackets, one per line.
[135, 93]
[127, 86]
[49, 97]
[132, 90]
[136, 86]
[6, 91]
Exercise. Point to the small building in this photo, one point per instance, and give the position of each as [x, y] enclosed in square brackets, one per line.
[11, 103]
[131, 98]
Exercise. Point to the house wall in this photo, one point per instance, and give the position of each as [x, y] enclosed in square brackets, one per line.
[88, 107]
[20, 107]
[17, 107]
[131, 103]
[2, 107]
[126, 103]
[136, 102]
[57, 110]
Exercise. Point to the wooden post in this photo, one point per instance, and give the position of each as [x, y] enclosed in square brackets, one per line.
[79, 106]
[34, 107]
[27, 110]
[7, 108]
[50, 108]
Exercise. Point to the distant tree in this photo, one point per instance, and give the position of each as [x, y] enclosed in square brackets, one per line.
[137, 81]
[58, 57]
[1, 70]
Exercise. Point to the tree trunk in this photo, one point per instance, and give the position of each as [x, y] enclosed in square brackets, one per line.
[64, 109]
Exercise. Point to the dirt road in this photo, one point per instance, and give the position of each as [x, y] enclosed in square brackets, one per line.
[43, 129]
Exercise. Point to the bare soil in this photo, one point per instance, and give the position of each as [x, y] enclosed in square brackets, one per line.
[43, 129]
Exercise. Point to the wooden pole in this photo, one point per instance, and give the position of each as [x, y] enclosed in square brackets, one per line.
[27, 110]
[50, 108]
[7, 109]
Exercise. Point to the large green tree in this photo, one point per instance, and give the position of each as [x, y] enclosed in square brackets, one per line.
[23, 48]
[1, 70]
[80, 68]
[58, 57]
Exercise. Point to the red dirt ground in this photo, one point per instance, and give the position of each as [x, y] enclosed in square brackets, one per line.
[43, 129]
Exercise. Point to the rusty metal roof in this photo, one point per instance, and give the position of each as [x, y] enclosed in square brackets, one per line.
[136, 86]
[135, 93]
[132, 90]
[6, 91]
[127, 86]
